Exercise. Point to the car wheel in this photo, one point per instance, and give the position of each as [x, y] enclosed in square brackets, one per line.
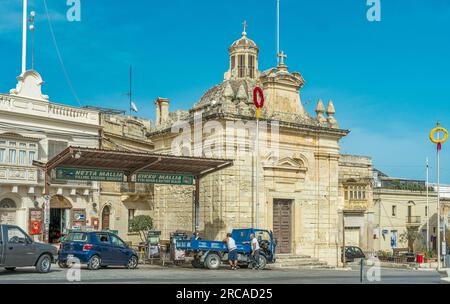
[94, 262]
[262, 262]
[62, 264]
[44, 264]
[10, 268]
[132, 262]
[212, 261]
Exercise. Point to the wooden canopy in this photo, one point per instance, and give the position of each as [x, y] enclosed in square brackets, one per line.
[133, 162]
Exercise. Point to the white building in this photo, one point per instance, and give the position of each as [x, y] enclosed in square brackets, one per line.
[33, 128]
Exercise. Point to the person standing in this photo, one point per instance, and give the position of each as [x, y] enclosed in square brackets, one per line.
[232, 251]
[255, 251]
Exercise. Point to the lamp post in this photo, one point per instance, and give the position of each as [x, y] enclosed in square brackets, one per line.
[439, 143]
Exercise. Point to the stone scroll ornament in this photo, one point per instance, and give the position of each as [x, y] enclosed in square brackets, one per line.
[258, 100]
[439, 142]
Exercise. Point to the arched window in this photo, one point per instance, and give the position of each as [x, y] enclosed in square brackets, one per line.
[105, 217]
[7, 203]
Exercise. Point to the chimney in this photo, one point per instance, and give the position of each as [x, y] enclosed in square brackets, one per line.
[162, 111]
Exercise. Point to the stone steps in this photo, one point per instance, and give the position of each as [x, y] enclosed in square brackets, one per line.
[298, 262]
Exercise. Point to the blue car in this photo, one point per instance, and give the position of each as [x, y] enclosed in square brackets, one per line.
[96, 250]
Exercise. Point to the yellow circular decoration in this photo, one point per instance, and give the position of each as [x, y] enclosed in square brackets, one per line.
[438, 141]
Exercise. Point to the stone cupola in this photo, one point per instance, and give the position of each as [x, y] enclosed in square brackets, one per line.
[243, 58]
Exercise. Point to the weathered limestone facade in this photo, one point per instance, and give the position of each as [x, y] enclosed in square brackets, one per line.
[298, 165]
[34, 128]
[120, 202]
[356, 199]
[399, 205]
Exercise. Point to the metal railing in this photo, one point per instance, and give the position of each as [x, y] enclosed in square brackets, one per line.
[413, 220]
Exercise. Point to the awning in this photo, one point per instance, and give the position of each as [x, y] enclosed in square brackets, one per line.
[133, 162]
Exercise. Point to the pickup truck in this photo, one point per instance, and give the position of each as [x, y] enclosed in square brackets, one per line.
[17, 249]
[211, 254]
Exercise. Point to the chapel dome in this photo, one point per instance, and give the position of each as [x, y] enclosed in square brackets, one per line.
[244, 41]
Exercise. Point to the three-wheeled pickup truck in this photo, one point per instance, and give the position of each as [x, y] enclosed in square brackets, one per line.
[211, 254]
[17, 249]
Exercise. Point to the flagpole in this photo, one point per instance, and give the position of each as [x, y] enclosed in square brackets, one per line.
[131, 88]
[278, 29]
[24, 36]
[428, 213]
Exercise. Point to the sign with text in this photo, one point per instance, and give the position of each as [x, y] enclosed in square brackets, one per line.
[89, 175]
[164, 178]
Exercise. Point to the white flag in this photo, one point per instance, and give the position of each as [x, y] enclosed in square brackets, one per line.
[134, 107]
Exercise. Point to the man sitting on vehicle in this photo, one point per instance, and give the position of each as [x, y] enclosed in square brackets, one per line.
[232, 251]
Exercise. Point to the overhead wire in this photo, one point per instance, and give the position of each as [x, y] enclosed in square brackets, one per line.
[58, 52]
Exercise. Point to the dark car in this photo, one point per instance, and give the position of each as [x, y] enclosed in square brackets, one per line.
[17, 249]
[352, 253]
[96, 249]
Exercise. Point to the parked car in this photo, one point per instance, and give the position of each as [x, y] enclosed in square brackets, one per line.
[17, 249]
[96, 250]
[352, 253]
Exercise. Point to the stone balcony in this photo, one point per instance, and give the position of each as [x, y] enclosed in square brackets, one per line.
[126, 188]
[18, 175]
[413, 221]
[356, 205]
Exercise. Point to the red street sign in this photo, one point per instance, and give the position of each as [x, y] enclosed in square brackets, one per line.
[259, 102]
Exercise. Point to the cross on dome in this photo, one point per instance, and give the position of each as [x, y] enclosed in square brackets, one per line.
[244, 33]
[282, 56]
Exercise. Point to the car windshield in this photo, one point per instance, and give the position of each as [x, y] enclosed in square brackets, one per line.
[76, 237]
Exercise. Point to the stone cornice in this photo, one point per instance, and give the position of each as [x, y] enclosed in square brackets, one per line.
[290, 125]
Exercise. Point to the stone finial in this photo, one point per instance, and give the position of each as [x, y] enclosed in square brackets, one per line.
[320, 109]
[228, 91]
[242, 93]
[330, 112]
[330, 109]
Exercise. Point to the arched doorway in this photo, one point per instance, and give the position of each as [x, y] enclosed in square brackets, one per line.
[8, 211]
[105, 217]
[59, 217]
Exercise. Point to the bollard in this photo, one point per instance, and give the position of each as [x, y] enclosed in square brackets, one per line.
[361, 271]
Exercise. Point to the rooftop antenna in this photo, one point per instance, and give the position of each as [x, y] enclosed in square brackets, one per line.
[24, 36]
[32, 28]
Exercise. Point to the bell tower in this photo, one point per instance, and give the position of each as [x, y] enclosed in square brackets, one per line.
[243, 58]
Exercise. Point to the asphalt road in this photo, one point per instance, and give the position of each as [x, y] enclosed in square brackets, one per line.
[147, 274]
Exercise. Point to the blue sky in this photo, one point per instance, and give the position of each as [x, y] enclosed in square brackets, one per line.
[389, 80]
